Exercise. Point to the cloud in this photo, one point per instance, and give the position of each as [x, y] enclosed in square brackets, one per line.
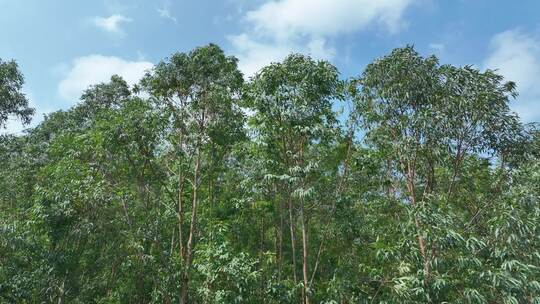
[326, 17]
[255, 54]
[277, 28]
[111, 24]
[93, 69]
[516, 55]
[164, 12]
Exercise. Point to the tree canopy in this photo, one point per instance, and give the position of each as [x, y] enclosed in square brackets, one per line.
[197, 185]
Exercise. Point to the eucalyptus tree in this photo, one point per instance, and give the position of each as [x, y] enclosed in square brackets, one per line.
[12, 100]
[415, 107]
[200, 91]
[427, 120]
[96, 154]
[89, 177]
[293, 121]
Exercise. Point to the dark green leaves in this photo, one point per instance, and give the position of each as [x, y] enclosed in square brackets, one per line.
[12, 100]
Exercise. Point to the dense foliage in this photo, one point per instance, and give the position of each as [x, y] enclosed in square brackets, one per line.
[411, 183]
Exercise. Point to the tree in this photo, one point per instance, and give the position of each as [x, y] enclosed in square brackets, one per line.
[428, 120]
[293, 118]
[12, 100]
[200, 90]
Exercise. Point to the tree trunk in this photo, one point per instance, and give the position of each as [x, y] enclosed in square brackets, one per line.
[184, 289]
[62, 292]
[183, 281]
[293, 239]
[421, 241]
[305, 270]
[280, 240]
[184, 293]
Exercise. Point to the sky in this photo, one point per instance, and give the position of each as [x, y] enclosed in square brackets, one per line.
[63, 46]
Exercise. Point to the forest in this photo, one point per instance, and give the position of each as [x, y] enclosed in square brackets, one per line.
[413, 182]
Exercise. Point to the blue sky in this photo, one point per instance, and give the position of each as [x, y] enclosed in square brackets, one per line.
[62, 46]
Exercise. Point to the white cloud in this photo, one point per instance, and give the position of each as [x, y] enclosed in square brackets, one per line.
[277, 28]
[516, 55]
[164, 12]
[255, 54]
[112, 23]
[326, 17]
[93, 69]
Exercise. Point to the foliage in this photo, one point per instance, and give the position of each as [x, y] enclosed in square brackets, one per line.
[196, 186]
[12, 99]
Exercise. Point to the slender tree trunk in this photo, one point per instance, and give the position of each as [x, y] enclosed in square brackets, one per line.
[184, 294]
[421, 241]
[280, 240]
[126, 214]
[455, 170]
[182, 248]
[261, 255]
[305, 270]
[184, 289]
[62, 292]
[293, 239]
[339, 192]
[183, 280]
[172, 244]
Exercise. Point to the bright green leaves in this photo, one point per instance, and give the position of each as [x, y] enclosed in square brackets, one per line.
[296, 94]
[104, 96]
[415, 102]
[295, 133]
[198, 75]
[200, 89]
[225, 277]
[162, 193]
[200, 93]
[432, 126]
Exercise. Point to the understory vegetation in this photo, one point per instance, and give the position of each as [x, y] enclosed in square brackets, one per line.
[413, 182]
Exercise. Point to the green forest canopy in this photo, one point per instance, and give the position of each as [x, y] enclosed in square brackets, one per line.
[196, 186]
